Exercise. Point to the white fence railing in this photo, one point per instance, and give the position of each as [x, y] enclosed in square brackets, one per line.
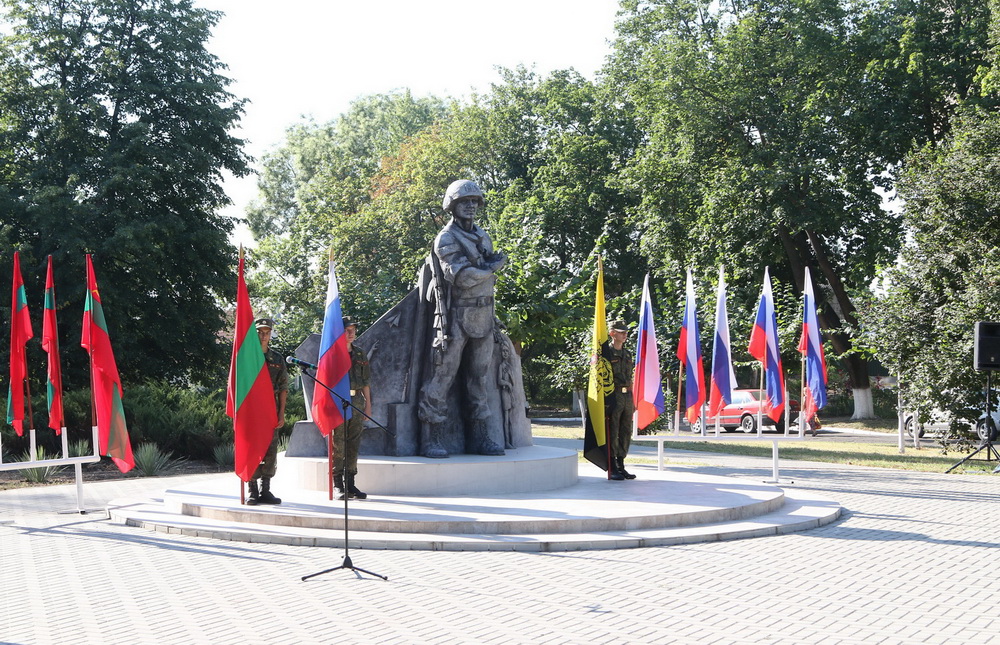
[65, 460]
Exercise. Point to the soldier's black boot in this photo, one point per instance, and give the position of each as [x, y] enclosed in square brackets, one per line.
[265, 492]
[621, 468]
[433, 448]
[615, 474]
[353, 490]
[487, 446]
[254, 498]
[338, 483]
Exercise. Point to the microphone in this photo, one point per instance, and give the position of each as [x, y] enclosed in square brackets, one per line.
[291, 360]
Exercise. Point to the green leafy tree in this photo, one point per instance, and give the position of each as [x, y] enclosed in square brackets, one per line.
[541, 148]
[315, 196]
[948, 276]
[769, 137]
[114, 135]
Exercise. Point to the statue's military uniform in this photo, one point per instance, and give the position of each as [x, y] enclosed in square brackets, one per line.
[278, 372]
[618, 405]
[464, 268]
[345, 446]
[460, 255]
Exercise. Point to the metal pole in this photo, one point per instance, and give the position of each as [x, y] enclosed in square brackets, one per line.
[762, 399]
[802, 400]
[677, 412]
[900, 416]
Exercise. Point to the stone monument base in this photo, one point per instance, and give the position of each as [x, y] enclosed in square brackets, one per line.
[521, 470]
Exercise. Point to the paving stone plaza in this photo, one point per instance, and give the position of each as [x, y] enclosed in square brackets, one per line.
[913, 559]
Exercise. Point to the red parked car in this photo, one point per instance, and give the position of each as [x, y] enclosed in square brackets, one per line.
[742, 413]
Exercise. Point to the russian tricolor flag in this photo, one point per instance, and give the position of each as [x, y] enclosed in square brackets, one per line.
[689, 353]
[811, 347]
[765, 348]
[723, 377]
[648, 390]
[333, 365]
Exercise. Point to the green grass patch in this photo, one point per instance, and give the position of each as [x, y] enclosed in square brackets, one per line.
[877, 425]
[928, 459]
[558, 432]
[931, 460]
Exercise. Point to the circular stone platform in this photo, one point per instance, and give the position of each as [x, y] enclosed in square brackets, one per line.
[658, 508]
[520, 470]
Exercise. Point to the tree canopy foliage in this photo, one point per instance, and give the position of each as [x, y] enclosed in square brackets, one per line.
[114, 133]
[948, 275]
[735, 134]
[720, 133]
[920, 320]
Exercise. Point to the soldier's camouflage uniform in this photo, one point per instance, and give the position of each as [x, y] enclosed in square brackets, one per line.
[618, 405]
[345, 453]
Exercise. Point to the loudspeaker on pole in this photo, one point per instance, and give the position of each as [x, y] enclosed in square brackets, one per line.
[986, 352]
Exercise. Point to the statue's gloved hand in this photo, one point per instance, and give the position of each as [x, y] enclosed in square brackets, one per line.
[496, 262]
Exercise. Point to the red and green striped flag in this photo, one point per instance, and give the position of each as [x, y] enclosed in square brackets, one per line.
[50, 343]
[20, 332]
[250, 396]
[106, 386]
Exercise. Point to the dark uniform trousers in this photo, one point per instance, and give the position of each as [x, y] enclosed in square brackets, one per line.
[618, 406]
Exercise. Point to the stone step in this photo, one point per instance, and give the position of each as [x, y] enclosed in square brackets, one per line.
[659, 508]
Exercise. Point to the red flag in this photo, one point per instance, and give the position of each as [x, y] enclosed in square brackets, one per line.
[20, 332]
[50, 343]
[250, 396]
[112, 433]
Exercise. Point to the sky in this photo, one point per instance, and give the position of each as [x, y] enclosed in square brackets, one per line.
[309, 59]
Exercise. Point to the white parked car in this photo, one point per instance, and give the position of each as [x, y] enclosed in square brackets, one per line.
[939, 421]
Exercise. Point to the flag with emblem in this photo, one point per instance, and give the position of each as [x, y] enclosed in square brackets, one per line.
[250, 395]
[106, 386]
[20, 332]
[50, 343]
[599, 384]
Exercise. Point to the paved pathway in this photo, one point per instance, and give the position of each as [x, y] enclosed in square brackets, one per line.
[914, 560]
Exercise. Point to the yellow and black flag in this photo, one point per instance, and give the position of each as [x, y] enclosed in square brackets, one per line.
[600, 384]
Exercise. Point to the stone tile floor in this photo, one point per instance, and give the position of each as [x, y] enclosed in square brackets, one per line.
[913, 560]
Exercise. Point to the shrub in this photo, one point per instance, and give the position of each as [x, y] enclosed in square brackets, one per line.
[224, 455]
[151, 461]
[80, 448]
[189, 421]
[40, 474]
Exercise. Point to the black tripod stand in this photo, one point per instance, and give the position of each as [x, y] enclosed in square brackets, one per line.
[989, 434]
[347, 562]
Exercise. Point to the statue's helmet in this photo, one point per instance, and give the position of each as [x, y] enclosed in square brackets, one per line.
[459, 189]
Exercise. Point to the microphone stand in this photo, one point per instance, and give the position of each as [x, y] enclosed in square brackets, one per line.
[345, 404]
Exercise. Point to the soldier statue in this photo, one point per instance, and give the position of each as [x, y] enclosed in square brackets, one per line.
[464, 267]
